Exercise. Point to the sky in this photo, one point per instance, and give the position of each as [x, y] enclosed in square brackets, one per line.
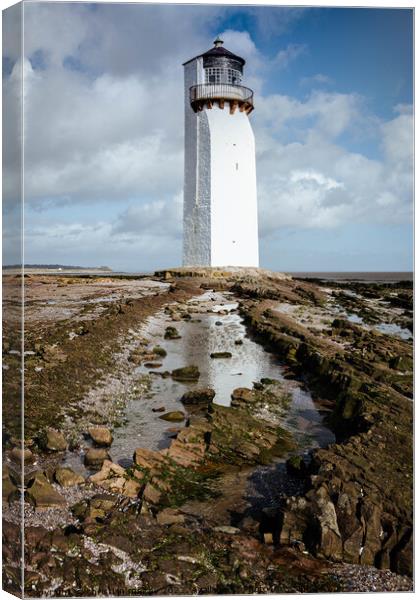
[103, 89]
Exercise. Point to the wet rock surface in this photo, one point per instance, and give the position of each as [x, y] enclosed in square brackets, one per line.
[365, 481]
[218, 509]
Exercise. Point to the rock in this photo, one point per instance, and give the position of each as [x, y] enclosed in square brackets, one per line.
[17, 455]
[218, 323]
[152, 365]
[95, 457]
[53, 441]
[184, 453]
[238, 342]
[109, 469]
[96, 508]
[329, 542]
[294, 521]
[147, 459]
[8, 487]
[186, 373]
[198, 396]
[131, 488]
[241, 395]
[102, 436]
[43, 494]
[159, 351]
[228, 529]
[67, 477]
[151, 494]
[171, 333]
[160, 409]
[221, 355]
[169, 516]
[173, 416]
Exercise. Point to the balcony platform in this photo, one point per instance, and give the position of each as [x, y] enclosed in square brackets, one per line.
[206, 94]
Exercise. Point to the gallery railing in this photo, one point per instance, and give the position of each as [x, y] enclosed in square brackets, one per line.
[206, 93]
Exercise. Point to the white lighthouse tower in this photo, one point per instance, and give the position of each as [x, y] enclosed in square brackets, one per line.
[220, 192]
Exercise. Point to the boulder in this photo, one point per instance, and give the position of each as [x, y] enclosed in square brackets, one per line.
[43, 494]
[52, 440]
[152, 365]
[221, 355]
[238, 342]
[198, 396]
[190, 373]
[171, 333]
[102, 436]
[173, 416]
[159, 409]
[67, 477]
[95, 457]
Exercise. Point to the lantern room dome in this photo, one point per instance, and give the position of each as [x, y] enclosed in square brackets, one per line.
[219, 53]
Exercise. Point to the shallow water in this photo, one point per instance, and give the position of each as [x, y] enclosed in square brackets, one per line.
[199, 338]
[386, 328]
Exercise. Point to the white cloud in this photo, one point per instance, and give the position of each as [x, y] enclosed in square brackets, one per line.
[284, 57]
[317, 182]
[316, 80]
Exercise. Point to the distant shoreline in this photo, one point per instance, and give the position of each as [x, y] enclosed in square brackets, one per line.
[383, 276]
[368, 276]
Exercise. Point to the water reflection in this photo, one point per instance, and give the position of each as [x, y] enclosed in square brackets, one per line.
[209, 331]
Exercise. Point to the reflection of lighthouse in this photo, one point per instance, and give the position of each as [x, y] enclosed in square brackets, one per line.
[220, 195]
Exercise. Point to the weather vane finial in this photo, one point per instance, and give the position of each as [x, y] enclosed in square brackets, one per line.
[218, 41]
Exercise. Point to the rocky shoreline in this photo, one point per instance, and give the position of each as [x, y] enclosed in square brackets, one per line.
[176, 521]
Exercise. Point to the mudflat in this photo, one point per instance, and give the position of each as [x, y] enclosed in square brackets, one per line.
[208, 431]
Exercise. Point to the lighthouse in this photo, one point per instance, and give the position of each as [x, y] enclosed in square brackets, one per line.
[220, 191]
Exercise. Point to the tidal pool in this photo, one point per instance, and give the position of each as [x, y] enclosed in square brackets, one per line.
[209, 331]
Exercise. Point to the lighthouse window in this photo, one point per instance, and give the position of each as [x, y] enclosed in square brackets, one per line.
[218, 75]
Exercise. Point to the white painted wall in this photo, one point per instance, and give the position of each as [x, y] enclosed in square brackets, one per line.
[220, 196]
[234, 218]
